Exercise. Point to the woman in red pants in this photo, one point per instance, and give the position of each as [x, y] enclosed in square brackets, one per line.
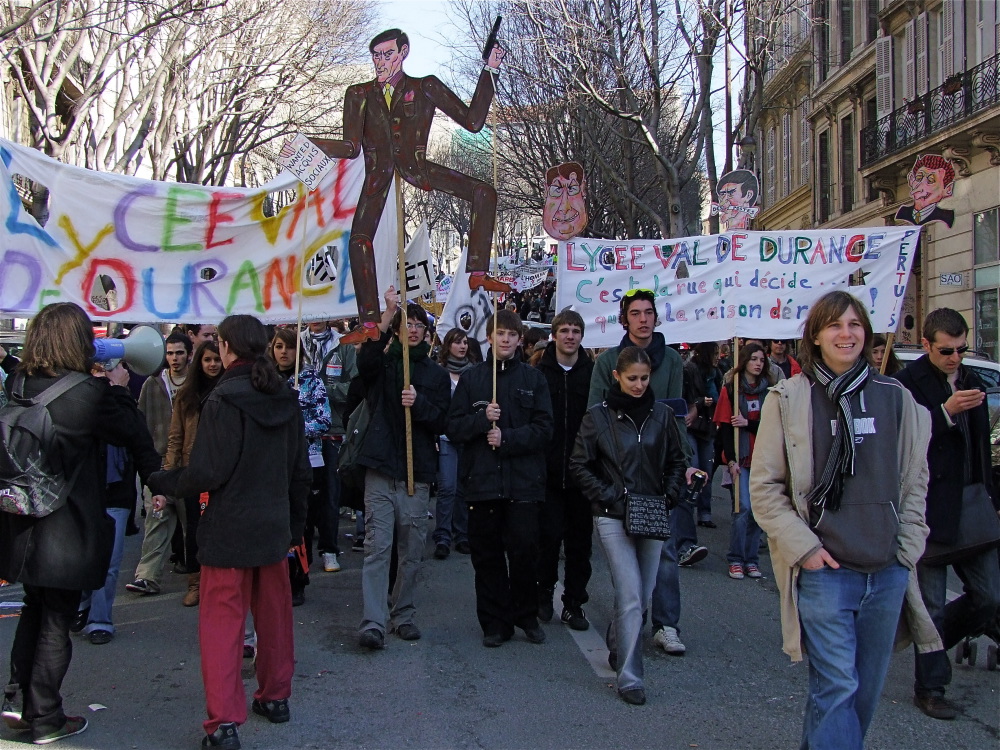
[252, 419]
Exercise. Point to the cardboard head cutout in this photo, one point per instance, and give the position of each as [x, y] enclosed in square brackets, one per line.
[931, 180]
[564, 214]
[738, 192]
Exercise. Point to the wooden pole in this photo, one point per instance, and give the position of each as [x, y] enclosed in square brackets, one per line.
[404, 337]
[302, 288]
[496, 260]
[736, 430]
[888, 350]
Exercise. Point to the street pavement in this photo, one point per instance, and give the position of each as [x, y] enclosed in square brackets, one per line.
[734, 690]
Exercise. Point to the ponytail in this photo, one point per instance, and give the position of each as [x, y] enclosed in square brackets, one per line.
[264, 375]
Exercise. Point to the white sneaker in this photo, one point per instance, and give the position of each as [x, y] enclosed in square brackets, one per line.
[330, 564]
[667, 638]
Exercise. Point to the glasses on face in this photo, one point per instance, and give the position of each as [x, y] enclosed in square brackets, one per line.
[633, 292]
[415, 326]
[947, 351]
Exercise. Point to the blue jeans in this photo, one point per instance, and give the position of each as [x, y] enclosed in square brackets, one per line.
[966, 615]
[703, 457]
[102, 600]
[848, 626]
[744, 534]
[451, 514]
[667, 592]
[633, 562]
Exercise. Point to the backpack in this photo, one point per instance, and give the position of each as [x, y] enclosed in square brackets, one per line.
[30, 485]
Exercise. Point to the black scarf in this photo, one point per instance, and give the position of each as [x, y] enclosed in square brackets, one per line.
[417, 353]
[636, 407]
[656, 350]
[839, 389]
[458, 365]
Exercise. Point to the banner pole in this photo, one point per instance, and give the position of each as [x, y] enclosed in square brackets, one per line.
[494, 258]
[404, 337]
[302, 288]
[890, 337]
[736, 430]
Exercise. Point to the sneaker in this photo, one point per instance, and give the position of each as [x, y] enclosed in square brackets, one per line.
[936, 706]
[736, 571]
[575, 618]
[74, 725]
[275, 712]
[753, 571]
[463, 548]
[441, 551]
[143, 586]
[667, 639]
[330, 564]
[372, 639]
[707, 523]
[534, 633]
[495, 640]
[358, 545]
[80, 620]
[100, 637]
[545, 609]
[225, 737]
[691, 555]
[298, 597]
[11, 713]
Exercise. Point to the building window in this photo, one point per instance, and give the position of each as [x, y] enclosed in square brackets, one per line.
[871, 20]
[786, 154]
[986, 280]
[847, 166]
[805, 143]
[825, 178]
[846, 30]
[769, 167]
[822, 21]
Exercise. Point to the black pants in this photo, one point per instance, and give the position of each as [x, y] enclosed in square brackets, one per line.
[41, 654]
[566, 520]
[192, 514]
[503, 537]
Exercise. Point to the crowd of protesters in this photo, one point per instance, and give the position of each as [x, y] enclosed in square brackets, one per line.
[517, 456]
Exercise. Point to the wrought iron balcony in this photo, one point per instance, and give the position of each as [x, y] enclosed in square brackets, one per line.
[959, 97]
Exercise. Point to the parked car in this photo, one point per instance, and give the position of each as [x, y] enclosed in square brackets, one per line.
[987, 370]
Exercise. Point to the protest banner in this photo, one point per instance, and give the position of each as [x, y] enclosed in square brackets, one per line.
[466, 308]
[180, 252]
[715, 287]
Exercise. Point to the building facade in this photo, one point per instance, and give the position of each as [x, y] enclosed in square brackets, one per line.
[883, 112]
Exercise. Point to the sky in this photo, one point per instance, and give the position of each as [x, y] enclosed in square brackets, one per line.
[424, 22]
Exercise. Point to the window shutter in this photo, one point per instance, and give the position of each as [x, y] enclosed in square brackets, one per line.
[909, 60]
[786, 154]
[958, 33]
[923, 73]
[805, 143]
[946, 50]
[769, 168]
[883, 76]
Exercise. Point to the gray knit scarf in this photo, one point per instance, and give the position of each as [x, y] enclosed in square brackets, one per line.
[830, 488]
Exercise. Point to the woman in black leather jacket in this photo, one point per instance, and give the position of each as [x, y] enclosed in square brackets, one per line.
[628, 442]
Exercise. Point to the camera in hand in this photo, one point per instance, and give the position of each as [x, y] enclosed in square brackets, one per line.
[694, 489]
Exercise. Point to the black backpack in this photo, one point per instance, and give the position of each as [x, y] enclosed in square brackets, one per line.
[31, 483]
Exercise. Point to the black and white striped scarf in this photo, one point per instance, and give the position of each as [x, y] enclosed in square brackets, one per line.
[829, 489]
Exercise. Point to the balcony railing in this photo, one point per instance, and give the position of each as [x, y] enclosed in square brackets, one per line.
[958, 98]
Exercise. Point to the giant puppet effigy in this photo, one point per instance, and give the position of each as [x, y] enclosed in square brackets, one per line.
[388, 119]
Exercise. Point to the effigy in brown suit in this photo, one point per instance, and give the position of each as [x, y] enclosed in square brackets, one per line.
[388, 119]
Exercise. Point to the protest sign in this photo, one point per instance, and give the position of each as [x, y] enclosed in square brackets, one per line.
[443, 288]
[180, 252]
[715, 287]
[419, 266]
[466, 308]
[303, 158]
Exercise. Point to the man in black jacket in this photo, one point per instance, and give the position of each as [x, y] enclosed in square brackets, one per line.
[389, 509]
[565, 518]
[502, 468]
[958, 455]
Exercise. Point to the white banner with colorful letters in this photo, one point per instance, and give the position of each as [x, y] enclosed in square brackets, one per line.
[181, 252]
[715, 287]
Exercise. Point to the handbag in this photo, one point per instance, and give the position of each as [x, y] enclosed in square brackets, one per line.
[352, 474]
[978, 529]
[646, 516]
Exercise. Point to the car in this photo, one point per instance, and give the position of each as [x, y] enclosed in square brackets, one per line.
[987, 370]
[12, 342]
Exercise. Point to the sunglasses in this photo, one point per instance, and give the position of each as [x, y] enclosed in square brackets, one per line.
[633, 292]
[947, 351]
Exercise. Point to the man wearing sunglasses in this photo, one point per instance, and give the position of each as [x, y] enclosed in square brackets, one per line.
[958, 455]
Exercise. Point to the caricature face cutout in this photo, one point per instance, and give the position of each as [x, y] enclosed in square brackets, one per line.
[388, 59]
[564, 214]
[738, 191]
[928, 186]
[931, 180]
